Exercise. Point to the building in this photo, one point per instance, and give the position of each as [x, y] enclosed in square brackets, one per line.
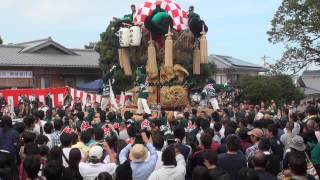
[229, 69]
[45, 63]
[309, 83]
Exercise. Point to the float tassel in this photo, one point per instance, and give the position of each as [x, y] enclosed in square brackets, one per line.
[196, 61]
[126, 62]
[120, 57]
[152, 61]
[168, 59]
[204, 47]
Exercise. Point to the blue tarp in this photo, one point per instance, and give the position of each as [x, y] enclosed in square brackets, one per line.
[94, 86]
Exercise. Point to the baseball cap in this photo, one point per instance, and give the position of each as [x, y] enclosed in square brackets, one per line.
[95, 152]
[256, 132]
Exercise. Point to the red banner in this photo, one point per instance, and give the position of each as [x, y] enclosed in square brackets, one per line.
[12, 96]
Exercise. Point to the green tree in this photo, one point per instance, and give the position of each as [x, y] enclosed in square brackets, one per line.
[1, 40]
[265, 88]
[296, 24]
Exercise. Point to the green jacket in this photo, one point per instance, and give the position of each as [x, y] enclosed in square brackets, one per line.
[315, 154]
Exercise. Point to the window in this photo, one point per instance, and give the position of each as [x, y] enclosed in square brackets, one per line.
[45, 82]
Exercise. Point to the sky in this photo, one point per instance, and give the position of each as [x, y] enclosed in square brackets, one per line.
[236, 28]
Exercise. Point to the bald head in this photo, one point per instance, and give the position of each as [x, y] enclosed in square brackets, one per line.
[310, 124]
[259, 160]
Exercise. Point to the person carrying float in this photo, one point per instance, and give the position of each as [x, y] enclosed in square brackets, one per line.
[210, 93]
[143, 106]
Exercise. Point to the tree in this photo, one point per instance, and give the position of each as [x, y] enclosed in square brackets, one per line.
[297, 25]
[1, 40]
[265, 88]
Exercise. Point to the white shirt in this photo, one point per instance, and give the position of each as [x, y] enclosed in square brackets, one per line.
[66, 152]
[36, 128]
[49, 144]
[171, 172]
[90, 171]
[222, 131]
[159, 160]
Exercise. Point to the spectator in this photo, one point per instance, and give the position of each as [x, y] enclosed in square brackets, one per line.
[29, 121]
[55, 154]
[57, 124]
[7, 164]
[200, 173]
[197, 157]
[298, 167]
[91, 164]
[286, 138]
[255, 135]
[158, 142]
[179, 134]
[174, 165]
[210, 162]
[65, 140]
[8, 136]
[138, 153]
[32, 168]
[39, 122]
[123, 134]
[244, 139]
[233, 160]
[296, 145]
[297, 127]
[84, 139]
[260, 162]
[276, 145]
[247, 174]
[273, 162]
[53, 170]
[48, 129]
[217, 136]
[104, 176]
[72, 171]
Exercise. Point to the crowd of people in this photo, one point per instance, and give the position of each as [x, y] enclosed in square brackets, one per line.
[238, 141]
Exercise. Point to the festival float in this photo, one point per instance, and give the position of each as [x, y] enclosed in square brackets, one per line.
[155, 44]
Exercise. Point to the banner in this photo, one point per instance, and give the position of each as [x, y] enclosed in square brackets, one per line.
[12, 96]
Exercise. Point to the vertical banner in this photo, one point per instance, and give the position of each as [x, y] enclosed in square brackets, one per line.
[41, 99]
[60, 99]
[10, 103]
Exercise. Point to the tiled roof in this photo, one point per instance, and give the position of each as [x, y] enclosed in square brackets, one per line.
[311, 79]
[311, 73]
[227, 62]
[26, 54]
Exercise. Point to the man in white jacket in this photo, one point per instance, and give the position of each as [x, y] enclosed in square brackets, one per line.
[174, 165]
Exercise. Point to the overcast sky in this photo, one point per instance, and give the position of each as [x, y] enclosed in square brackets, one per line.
[236, 28]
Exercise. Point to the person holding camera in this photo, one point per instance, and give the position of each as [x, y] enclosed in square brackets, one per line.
[141, 165]
[92, 164]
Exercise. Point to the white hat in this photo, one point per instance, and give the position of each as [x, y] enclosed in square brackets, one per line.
[95, 152]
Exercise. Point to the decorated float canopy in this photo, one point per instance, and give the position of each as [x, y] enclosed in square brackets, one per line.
[179, 16]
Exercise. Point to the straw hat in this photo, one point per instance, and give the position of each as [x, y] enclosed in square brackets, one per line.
[138, 153]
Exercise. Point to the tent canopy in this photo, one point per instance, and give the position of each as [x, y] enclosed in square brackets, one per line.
[94, 86]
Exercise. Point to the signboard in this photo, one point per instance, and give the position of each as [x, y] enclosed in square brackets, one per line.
[15, 74]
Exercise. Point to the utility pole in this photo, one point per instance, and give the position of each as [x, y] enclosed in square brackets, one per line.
[264, 59]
